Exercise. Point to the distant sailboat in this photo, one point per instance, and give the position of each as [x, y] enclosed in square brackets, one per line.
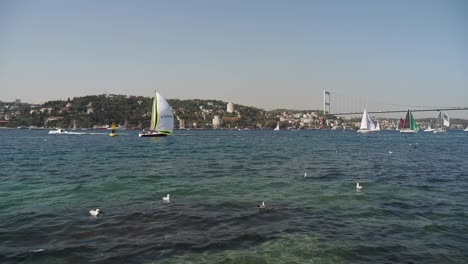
[74, 125]
[377, 127]
[162, 119]
[409, 125]
[401, 124]
[277, 127]
[367, 125]
[429, 128]
[466, 129]
[443, 121]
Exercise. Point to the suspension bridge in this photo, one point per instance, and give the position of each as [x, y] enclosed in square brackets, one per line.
[339, 105]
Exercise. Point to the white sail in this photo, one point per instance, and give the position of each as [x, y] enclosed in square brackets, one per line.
[165, 117]
[442, 122]
[377, 127]
[446, 119]
[366, 122]
[277, 127]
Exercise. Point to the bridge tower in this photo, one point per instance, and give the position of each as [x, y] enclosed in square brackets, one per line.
[326, 103]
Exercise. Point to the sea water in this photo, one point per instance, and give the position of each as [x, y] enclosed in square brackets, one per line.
[413, 207]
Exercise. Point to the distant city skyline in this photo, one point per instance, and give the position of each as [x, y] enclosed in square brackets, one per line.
[266, 54]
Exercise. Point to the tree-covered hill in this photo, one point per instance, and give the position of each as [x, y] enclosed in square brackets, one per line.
[134, 112]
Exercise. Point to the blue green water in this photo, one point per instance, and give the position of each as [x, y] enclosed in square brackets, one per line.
[413, 208]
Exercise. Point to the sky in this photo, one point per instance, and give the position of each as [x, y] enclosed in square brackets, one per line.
[263, 53]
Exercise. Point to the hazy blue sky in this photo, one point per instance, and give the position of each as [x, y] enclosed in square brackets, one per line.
[261, 53]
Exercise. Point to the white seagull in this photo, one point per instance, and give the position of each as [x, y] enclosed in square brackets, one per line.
[305, 174]
[358, 187]
[166, 198]
[262, 205]
[94, 212]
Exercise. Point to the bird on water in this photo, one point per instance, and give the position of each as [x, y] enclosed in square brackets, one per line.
[94, 212]
[358, 187]
[262, 205]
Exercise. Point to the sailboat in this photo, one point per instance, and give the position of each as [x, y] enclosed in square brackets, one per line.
[443, 121]
[466, 129]
[277, 127]
[429, 128]
[162, 118]
[377, 127]
[74, 125]
[367, 125]
[409, 125]
[400, 124]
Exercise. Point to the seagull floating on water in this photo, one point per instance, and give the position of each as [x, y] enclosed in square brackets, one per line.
[358, 187]
[166, 198]
[94, 212]
[305, 174]
[36, 250]
[262, 205]
[390, 152]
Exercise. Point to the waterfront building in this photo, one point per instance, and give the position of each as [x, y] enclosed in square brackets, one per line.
[181, 123]
[217, 122]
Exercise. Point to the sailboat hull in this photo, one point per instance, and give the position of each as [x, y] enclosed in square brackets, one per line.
[408, 131]
[150, 134]
[440, 131]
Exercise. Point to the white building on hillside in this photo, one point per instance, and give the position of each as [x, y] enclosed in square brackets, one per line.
[230, 107]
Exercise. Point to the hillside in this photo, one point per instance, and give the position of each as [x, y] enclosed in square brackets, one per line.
[134, 111]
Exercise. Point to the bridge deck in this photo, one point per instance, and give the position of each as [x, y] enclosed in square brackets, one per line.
[404, 111]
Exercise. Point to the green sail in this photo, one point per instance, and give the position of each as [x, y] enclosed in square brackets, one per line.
[413, 125]
[154, 113]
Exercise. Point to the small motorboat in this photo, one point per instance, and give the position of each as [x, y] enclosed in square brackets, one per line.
[58, 131]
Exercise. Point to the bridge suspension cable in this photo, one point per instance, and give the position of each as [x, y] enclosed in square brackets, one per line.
[340, 104]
